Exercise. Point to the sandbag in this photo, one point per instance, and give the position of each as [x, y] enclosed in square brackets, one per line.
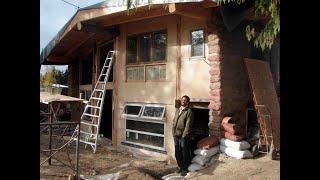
[242, 145]
[195, 167]
[228, 120]
[200, 160]
[238, 154]
[208, 142]
[231, 128]
[232, 137]
[207, 152]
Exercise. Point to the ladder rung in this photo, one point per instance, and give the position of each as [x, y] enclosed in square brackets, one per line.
[92, 134]
[101, 82]
[91, 115]
[75, 139]
[106, 66]
[97, 107]
[88, 123]
[100, 90]
[96, 98]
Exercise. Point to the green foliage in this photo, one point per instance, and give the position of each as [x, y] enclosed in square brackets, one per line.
[53, 76]
[263, 38]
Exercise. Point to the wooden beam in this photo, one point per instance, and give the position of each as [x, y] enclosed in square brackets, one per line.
[193, 11]
[208, 4]
[58, 59]
[139, 14]
[90, 28]
[70, 51]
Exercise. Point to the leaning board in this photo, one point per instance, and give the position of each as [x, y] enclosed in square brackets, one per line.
[264, 93]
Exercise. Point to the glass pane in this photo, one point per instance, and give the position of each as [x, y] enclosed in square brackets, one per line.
[145, 48]
[197, 43]
[153, 73]
[160, 43]
[163, 73]
[145, 139]
[135, 73]
[153, 111]
[145, 126]
[132, 49]
[130, 74]
[131, 109]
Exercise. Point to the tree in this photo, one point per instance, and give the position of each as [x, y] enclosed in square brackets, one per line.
[262, 37]
[53, 76]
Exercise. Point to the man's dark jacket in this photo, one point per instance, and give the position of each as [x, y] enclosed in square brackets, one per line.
[182, 123]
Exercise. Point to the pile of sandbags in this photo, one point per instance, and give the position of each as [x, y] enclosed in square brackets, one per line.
[232, 143]
[207, 147]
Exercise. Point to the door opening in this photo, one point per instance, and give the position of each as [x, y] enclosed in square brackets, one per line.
[200, 128]
[106, 118]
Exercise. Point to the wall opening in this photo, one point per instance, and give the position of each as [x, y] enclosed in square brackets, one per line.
[106, 118]
[200, 128]
[103, 55]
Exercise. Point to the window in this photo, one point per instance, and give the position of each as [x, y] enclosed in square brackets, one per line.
[145, 126]
[156, 72]
[132, 110]
[144, 49]
[197, 43]
[131, 50]
[135, 73]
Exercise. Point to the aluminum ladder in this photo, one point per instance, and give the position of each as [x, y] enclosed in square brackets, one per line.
[91, 116]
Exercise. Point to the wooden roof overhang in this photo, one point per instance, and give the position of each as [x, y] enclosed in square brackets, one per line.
[92, 27]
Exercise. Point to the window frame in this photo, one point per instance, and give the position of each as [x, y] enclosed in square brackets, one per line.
[154, 118]
[148, 119]
[131, 115]
[203, 44]
[139, 62]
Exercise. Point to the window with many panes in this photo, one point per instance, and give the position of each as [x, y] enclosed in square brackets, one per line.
[197, 43]
[143, 51]
[145, 125]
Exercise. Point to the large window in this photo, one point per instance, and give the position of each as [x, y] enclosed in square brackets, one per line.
[197, 43]
[145, 125]
[143, 51]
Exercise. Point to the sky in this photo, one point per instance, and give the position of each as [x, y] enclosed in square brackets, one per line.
[54, 14]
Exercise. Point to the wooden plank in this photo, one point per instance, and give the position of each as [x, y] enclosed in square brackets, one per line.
[139, 14]
[76, 46]
[194, 11]
[264, 93]
[209, 4]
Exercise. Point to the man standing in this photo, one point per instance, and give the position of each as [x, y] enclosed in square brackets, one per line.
[182, 124]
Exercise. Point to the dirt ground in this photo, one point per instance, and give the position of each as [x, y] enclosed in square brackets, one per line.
[111, 163]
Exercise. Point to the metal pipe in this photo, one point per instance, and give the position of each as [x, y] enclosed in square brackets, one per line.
[50, 133]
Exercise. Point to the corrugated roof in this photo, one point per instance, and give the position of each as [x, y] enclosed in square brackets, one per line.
[115, 6]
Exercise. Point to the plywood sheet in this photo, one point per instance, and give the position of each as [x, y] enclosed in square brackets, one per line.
[264, 93]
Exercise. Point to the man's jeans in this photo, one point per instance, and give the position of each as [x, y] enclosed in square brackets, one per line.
[182, 152]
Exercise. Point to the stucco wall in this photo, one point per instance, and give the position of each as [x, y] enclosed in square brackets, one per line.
[195, 75]
[146, 92]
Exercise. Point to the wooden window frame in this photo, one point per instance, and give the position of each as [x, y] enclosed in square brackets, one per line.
[203, 45]
[139, 62]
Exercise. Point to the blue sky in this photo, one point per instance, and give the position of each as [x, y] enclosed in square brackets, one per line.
[53, 15]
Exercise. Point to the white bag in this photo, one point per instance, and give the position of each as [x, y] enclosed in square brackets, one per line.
[200, 160]
[207, 152]
[238, 154]
[195, 167]
[243, 145]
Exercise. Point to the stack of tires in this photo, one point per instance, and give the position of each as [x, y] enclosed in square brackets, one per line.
[231, 142]
[206, 148]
